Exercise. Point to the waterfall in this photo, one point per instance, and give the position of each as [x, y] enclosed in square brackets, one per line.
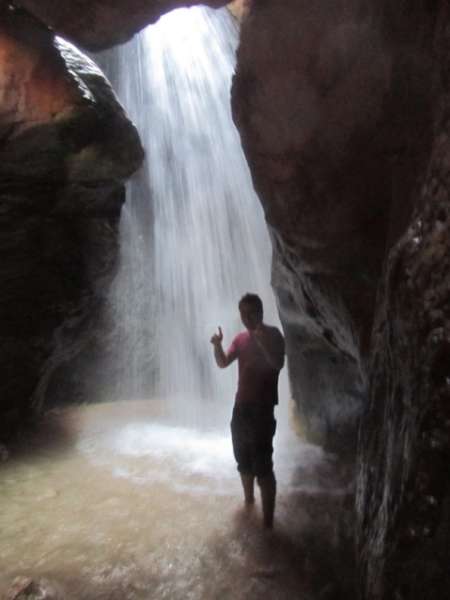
[193, 236]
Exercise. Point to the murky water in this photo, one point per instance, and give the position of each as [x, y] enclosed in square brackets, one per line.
[111, 501]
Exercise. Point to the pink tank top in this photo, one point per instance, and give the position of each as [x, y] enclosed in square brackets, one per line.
[258, 380]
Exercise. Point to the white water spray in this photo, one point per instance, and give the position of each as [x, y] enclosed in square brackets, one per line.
[196, 240]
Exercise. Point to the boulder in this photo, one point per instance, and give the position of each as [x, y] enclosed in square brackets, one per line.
[66, 149]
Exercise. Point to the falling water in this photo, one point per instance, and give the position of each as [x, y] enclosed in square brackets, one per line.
[194, 238]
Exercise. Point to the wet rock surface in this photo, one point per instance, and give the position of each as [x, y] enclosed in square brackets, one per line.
[333, 103]
[66, 148]
[24, 588]
[99, 24]
[308, 99]
[403, 492]
[339, 134]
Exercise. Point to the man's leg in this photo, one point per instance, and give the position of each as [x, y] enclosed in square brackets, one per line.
[248, 484]
[268, 487]
[242, 454]
[265, 431]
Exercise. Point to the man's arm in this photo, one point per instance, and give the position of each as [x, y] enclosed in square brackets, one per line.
[271, 343]
[222, 359]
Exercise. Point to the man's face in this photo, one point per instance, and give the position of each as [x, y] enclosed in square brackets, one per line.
[251, 317]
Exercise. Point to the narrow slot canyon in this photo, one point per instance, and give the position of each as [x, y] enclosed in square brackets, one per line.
[158, 161]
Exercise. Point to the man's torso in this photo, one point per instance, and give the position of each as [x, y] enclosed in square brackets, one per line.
[258, 380]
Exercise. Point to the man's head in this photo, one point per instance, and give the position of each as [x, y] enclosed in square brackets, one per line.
[251, 309]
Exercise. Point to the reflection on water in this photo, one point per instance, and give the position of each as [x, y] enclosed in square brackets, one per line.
[126, 508]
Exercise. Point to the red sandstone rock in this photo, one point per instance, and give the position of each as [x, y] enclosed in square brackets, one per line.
[34, 87]
[308, 98]
[66, 149]
[240, 8]
[343, 109]
[98, 24]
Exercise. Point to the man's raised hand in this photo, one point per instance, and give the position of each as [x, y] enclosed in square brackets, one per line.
[217, 338]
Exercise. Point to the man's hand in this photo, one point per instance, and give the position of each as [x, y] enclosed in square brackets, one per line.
[222, 359]
[259, 330]
[217, 338]
[260, 335]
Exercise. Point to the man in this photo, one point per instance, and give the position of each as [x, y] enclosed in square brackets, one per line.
[260, 354]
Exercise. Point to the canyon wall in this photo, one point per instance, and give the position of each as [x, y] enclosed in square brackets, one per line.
[343, 111]
[309, 99]
[403, 490]
[66, 149]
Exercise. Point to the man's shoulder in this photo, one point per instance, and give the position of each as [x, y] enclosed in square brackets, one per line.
[239, 341]
[242, 337]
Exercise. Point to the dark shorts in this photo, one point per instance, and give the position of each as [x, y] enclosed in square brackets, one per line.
[252, 432]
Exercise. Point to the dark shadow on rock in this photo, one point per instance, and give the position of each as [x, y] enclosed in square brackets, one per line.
[52, 434]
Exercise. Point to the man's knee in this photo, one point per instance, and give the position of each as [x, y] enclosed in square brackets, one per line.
[267, 479]
[263, 458]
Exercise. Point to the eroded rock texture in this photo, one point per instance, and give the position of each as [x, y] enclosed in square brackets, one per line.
[66, 147]
[340, 107]
[403, 488]
[308, 99]
[97, 24]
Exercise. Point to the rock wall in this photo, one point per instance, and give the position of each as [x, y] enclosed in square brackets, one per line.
[66, 148]
[403, 489]
[98, 24]
[309, 100]
[343, 112]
